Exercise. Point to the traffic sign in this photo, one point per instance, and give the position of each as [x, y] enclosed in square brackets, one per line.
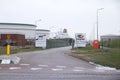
[8, 41]
[8, 36]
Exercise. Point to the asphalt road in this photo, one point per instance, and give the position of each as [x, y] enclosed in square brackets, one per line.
[54, 64]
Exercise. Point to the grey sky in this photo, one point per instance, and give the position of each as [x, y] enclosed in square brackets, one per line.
[78, 16]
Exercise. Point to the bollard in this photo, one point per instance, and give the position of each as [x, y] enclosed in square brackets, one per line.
[8, 49]
[8, 44]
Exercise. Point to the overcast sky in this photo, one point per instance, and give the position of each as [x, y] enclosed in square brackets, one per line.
[78, 16]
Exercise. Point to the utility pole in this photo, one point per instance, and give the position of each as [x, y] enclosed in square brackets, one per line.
[98, 22]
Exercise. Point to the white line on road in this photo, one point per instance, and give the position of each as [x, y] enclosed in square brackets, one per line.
[77, 70]
[13, 68]
[43, 65]
[24, 64]
[56, 69]
[61, 66]
[36, 69]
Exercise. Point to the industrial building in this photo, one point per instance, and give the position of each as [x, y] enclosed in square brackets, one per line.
[21, 34]
[109, 37]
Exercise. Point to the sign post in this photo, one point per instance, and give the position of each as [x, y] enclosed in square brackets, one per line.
[8, 44]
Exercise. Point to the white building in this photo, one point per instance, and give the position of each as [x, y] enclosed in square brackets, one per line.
[29, 30]
[43, 32]
[17, 28]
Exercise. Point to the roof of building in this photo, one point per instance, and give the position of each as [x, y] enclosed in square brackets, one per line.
[110, 35]
[18, 24]
[42, 30]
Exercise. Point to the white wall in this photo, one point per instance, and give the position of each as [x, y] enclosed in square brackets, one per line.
[28, 31]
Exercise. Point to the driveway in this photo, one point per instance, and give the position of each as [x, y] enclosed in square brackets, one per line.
[54, 64]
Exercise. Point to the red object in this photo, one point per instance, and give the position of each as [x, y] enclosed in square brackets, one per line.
[96, 44]
[81, 36]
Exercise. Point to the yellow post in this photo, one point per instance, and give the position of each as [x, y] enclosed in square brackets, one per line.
[8, 49]
[8, 44]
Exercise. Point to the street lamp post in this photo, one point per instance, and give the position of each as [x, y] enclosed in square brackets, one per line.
[98, 20]
[51, 33]
[37, 21]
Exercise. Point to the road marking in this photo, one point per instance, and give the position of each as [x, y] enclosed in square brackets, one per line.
[77, 70]
[61, 66]
[13, 68]
[56, 69]
[34, 69]
[43, 65]
[24, 64]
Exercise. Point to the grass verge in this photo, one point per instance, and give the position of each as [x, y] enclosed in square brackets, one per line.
[105, 57]
[13, 51]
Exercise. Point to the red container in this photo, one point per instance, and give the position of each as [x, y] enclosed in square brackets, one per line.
[96, 44]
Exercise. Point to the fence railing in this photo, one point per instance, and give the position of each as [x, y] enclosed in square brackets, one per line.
[57, 43]
[111, 43]
[51, 43]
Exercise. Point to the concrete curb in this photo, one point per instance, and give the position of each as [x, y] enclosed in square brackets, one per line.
[5, 59]
[100, 67]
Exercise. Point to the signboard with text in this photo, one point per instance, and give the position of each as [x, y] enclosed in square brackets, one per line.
[40, 41]
[80, 40]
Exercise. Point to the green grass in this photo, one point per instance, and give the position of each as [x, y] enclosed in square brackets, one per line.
[3, 50]
[112, 43]
[109, 57]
